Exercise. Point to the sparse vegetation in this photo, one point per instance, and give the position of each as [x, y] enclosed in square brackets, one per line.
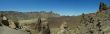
[52, 23]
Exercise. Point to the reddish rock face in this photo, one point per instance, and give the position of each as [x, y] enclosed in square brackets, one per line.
[104, 9]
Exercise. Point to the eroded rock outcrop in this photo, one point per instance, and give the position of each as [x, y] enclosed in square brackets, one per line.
[42, 27]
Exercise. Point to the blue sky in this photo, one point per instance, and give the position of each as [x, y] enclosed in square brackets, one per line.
[62, 7]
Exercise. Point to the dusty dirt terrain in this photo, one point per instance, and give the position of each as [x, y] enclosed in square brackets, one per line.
[7, 30]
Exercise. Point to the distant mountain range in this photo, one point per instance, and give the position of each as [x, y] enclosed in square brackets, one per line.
[28, 15]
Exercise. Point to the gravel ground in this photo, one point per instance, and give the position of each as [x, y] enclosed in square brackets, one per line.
[7, 30]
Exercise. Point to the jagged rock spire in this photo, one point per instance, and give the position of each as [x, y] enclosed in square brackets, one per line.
[38, 24]
[42, 27]
[102, 6]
